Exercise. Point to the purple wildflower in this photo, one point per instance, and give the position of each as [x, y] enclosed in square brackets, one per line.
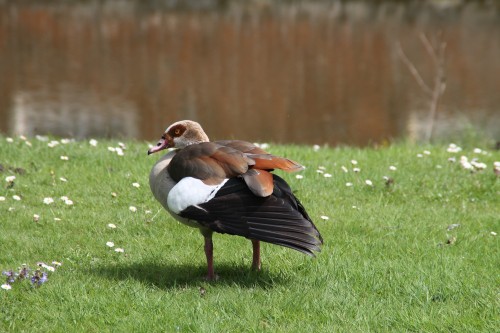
[39, 278]
[23, 273]
[9, 275]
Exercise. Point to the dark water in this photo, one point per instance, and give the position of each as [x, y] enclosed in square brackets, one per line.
[305, 72]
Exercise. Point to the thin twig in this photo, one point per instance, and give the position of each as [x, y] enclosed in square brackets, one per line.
[413, 70]
[439, 86]
[431, 51]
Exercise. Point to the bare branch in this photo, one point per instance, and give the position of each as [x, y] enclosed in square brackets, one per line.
[437, 54]
[431, 51]
[413, 70]
[442, 50]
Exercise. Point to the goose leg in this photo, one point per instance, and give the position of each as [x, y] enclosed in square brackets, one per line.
[209, 253]
[256, 255]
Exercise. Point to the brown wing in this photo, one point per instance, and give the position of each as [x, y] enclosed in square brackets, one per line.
[210, 162]
[263, 160]
[243, 146]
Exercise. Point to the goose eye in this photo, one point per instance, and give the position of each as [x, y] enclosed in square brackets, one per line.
[177, 131]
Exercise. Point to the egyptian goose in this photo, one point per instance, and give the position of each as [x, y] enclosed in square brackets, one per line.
[227, 187]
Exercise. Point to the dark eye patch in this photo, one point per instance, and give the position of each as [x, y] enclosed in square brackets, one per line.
[177, 130]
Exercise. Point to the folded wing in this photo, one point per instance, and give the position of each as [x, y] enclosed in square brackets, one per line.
[278, 218]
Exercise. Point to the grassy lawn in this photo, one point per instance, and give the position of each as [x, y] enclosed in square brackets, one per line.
[389, 262]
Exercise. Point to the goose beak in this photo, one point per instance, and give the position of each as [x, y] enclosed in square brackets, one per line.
[162, 144]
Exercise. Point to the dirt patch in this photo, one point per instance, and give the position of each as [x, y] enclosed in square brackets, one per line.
[17, 170]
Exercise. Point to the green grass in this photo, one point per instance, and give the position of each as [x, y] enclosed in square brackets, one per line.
[385, 265]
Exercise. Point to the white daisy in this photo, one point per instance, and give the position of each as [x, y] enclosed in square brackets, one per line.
[48, 200]
[10, 179]
[110, 244]
[453, 148]
[478, 165]
[49, 268]
[464, 161]
[42, 138]
[53, 143]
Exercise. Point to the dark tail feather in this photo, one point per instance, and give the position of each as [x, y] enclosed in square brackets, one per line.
[278, 219]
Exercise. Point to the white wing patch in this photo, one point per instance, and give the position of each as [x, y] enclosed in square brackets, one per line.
[190, 191]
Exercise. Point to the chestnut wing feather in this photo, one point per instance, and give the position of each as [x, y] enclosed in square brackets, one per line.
[260, 182]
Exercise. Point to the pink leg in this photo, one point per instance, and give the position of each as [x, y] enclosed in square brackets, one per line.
[209, 253]
[256, 255]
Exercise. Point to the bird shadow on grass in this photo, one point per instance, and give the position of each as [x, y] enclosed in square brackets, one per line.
[178, 276]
